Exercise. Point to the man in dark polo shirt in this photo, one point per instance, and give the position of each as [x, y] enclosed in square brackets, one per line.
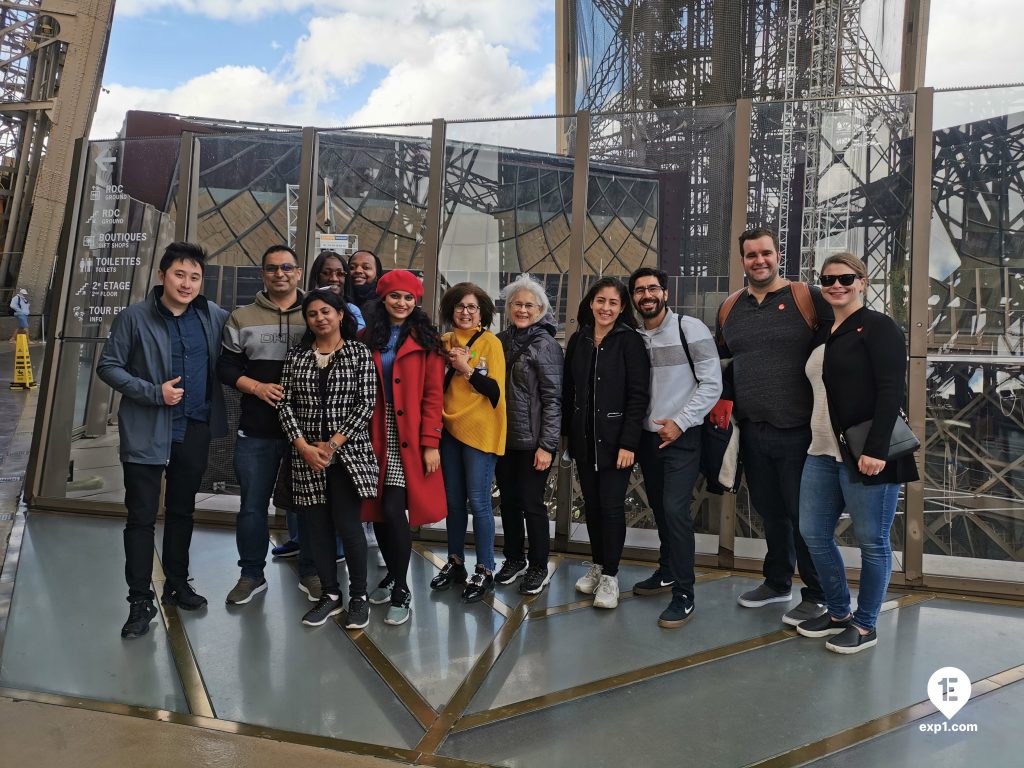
[769, 342]
[161, 355]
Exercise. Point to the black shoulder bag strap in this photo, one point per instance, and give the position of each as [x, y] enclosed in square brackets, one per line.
[450, 374]
[686, 349]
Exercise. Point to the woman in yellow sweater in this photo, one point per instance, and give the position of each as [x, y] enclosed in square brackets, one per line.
[474, 434]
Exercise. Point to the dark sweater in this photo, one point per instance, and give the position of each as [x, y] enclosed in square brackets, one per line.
[769, 344]
[865, 374]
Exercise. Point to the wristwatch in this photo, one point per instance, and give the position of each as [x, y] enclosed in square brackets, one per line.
[333, 445]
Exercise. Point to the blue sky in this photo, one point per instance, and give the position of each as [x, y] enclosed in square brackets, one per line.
[334, 63]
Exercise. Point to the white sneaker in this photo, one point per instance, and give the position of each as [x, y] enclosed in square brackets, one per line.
[607, 594]
[588, 582]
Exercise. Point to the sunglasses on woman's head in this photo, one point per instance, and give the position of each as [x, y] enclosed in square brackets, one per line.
[844, 280]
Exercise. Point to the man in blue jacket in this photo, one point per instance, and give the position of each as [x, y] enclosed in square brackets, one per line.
[161, 355]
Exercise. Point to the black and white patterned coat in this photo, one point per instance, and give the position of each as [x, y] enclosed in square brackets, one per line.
[351, 396]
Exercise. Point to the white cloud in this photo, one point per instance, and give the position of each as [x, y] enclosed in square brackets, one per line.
[233, 93]
[501, 21]
[976, 47]
[459, 75]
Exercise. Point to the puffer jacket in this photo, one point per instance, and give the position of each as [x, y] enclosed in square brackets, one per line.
[533, 386]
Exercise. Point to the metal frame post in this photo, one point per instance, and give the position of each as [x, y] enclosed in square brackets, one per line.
[432, 228]
[186, 222]
[309, 162]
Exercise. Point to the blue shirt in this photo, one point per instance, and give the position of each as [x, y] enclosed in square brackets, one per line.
[387, 363]
[190, 359]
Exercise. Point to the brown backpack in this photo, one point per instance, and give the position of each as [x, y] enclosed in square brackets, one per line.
[801, 295]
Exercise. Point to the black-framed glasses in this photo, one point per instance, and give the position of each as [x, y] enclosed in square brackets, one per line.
[270, 269]
[654, 290]
[844, 280]
[467, 308]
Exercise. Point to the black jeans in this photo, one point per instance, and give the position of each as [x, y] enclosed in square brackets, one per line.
[523, 512]
[339, 516]
[604, 503]
[773, 461]
[669, 476]
[394, 537]
[142, 500]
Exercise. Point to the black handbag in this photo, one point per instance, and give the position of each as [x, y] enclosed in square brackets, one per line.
[903, 441]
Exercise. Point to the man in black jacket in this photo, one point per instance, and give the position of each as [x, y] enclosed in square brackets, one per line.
[769, 341]
[257, 338]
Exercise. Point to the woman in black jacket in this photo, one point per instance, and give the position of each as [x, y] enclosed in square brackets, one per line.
[864, 372]
[533, 401]
[605, 390]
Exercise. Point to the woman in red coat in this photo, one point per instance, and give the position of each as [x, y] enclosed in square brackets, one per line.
[405, 429]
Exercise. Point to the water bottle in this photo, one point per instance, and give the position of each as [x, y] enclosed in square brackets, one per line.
[482, 366]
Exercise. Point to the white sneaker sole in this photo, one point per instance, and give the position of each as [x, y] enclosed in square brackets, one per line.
[309, 596]
[767, 601]
[607, 604]
[335, 612]
[819, 632]
[538, 590]
[853, 649]
[358, 626]
[261, 588]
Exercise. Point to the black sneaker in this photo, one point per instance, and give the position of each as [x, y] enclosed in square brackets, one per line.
[453, 571]
[535, 580]
[140, 614]
[510, 571]
[679, 611]
[850, 640]
[358, 613]
[823, 626]
[325, 607]
[655, 584]
[480, 583]
[183, 596]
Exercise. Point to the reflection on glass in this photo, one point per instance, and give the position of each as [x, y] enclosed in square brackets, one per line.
[377, 187]
[974, 467]
[976, 265]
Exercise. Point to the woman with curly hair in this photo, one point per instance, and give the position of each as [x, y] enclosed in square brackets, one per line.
[405, 429]
[474, 434]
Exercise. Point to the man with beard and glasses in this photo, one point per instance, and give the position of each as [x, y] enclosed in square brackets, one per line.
[686, 382]
[768, 334]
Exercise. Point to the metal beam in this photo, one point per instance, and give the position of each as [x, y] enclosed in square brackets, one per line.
[432, 230]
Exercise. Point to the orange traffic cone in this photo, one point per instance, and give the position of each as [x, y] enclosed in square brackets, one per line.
[23, 378]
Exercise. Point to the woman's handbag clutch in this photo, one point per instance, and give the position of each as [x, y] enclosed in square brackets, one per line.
[902, 442]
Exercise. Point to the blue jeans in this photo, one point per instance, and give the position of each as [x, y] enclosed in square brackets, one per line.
[825, 489]
[257, 460]
[468, 474]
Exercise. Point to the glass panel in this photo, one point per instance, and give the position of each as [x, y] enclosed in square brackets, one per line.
[126, 220]
[828, 176]
[976, 259]
[507, 210]
[244, 207]
[974, 469]
[376, 181]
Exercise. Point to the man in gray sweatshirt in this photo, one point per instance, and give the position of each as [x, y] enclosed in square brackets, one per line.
[686, 382]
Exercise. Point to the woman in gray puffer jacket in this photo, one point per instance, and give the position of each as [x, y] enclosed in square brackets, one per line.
[533, 398]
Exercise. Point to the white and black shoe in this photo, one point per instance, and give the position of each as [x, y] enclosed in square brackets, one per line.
[358, 613]
[325, 607]
[536, 578]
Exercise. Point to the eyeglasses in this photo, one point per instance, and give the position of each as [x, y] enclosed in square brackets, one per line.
[654, 290]
[844, 280]
[332, 272]
[528, 306]
[270, 269]
[468, 309]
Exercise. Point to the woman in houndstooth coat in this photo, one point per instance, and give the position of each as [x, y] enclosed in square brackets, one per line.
[330, 389]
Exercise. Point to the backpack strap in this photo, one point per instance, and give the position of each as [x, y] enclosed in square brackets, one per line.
[805, 303]
[724, 310]
[450, 373]
[686, 349]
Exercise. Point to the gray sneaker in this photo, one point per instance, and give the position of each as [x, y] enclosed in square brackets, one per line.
[311, 586]
[763, 595]
[607, 593]
[808, 609]
[587, 583]
[245, 589]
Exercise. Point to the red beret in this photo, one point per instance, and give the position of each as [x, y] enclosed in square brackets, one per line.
[400, 280]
